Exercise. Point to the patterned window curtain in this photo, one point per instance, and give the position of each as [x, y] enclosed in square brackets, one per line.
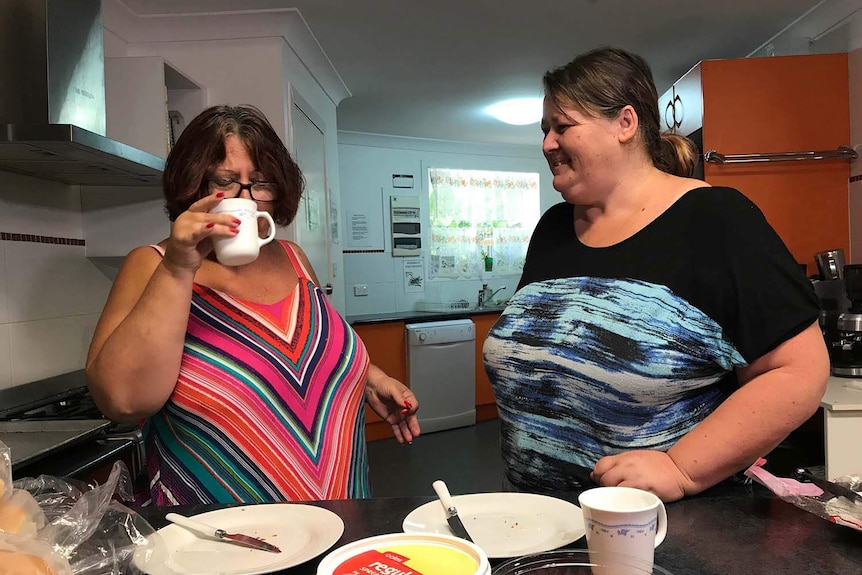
[479, 214]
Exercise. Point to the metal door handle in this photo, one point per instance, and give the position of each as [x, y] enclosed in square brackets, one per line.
[327, 289]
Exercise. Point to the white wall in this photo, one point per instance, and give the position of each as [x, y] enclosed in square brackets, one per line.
[246, 57]
[367, 163]
[51, 295]
[262, 71]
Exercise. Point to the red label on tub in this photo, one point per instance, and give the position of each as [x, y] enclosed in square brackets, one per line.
[375, 563]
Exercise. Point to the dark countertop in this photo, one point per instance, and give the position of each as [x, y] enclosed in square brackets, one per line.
[420, 316]
[739, 530]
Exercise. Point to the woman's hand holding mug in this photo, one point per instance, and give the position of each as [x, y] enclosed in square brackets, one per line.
[193, 232]
[244, 247]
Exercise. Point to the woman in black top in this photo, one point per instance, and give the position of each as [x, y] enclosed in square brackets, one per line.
[662, 336]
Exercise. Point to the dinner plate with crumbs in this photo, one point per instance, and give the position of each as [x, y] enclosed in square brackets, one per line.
[301, 532]
[505, 525]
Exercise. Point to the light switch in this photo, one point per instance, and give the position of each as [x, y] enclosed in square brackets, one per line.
[360, 290]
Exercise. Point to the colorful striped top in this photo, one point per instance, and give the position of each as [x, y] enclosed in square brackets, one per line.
[268, 405]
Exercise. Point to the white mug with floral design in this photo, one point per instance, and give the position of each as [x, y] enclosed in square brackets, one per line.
[623, 520]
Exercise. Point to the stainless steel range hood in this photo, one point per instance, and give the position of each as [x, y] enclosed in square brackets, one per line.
[52, 104]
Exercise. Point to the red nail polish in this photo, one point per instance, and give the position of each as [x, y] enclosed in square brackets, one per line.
[220, 195]
[236, 222]
[235, 230]
[211, 224]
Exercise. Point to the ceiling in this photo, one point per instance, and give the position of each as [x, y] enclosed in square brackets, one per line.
[428, 68]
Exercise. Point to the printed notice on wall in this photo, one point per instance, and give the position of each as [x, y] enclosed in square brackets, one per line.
[313, 213]
[333, 219]
[414, 275]
[359, 230]
[364, 229]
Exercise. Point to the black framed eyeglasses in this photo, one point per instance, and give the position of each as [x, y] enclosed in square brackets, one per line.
[258, 191]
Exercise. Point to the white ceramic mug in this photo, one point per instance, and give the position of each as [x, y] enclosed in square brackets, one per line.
[245, 246]
[623, 520]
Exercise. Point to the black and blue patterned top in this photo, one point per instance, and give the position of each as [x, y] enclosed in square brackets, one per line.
[604, 350]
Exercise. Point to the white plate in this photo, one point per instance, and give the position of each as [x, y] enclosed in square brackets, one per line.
[302, 532]
[505, 524]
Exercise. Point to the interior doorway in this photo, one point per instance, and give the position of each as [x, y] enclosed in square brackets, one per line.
[311, 226]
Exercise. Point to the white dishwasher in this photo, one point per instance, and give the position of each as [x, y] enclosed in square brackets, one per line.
[441, 371]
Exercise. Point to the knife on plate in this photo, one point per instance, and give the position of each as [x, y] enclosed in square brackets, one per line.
[238, 538]
[452, 518]
[837, 489]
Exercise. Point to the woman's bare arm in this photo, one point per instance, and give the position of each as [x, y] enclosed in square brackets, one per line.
[778, 392]
[134, 358]
[135, 355]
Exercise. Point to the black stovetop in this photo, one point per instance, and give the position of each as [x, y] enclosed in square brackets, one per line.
[52, 398]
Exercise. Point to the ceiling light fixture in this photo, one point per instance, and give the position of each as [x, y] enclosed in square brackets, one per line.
[518, 111]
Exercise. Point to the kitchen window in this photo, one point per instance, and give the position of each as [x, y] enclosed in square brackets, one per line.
[481, 221]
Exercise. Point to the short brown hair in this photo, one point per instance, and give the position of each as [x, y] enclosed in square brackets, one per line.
[201, 147]
[601, 82]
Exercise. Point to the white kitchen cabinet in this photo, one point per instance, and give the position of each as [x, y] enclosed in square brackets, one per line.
[116, 221]
[681, 107]
[140, 92]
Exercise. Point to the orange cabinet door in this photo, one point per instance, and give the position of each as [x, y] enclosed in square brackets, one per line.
[784, 104]
[387, 350]
[486, 406]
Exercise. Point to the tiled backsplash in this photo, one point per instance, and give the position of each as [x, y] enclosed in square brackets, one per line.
[51, 295]
[7, 237]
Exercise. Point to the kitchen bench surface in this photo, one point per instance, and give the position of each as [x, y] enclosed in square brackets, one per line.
[739, 530]
[420, 316]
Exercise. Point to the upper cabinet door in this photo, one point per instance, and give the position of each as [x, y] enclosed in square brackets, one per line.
[783, 104]
[776, 104]
[667, 122]
[688, 102]
[681, 107]
[142, 93]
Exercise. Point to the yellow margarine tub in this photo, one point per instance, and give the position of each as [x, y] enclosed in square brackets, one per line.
[407, 554]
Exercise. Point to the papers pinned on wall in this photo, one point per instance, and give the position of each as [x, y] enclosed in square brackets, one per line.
[414, 275]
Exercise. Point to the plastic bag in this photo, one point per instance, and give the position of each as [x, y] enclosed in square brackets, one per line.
[85, 531]
[810, 498]
[24, 555]
[21, 519]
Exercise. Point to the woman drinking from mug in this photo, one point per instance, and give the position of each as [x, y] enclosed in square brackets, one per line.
[249, 383]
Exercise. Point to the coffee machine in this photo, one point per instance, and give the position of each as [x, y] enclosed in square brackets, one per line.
[845, 350]
[831, 294]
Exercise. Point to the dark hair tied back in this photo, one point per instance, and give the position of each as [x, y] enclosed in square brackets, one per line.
[601, 82]
[679, 155]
